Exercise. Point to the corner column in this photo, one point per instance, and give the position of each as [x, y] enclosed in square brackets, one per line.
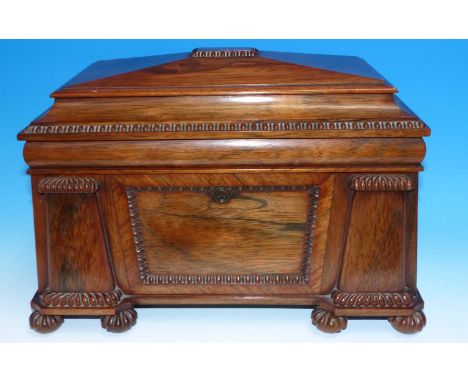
[377, 276]
[75, 270]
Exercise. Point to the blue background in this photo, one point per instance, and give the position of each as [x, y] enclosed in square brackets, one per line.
[432, 77]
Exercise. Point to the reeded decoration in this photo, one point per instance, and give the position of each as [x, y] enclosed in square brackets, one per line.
[119, 322]
[226, 176]
[409, 324]
[382, 183]
[327, 322]
[68, 184]
[43, 323]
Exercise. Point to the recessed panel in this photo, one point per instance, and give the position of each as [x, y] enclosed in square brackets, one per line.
[223, 234]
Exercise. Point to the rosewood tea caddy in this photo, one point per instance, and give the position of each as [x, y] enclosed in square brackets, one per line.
[226, 177]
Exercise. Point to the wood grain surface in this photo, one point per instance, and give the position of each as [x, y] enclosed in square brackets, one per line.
[255, 232]
[374, 252]
[227, 153]
[73, 261]
[264, 73]
[226, 176]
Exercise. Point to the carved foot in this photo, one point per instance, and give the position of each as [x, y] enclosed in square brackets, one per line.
[409, 324]
[43, 323]
[327, 322]
[119, 322]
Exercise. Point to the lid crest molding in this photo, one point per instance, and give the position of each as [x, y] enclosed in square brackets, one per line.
[223, 52]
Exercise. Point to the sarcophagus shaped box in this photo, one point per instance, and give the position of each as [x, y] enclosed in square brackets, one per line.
[226, 176]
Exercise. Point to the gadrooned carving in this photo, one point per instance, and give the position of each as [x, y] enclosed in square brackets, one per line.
[44, 323]
[372, 300]
[148, 278]
[68, 184]
[120, 322]
[327, 322]
[409, 324]
[227, 126]
[81, 299]
[382, 183]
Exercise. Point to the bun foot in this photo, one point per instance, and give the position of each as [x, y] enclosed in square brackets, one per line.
[119, 322]
[409, 324]
[43, 323]
[327, 322]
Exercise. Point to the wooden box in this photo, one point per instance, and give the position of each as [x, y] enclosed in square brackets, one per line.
[226, 176]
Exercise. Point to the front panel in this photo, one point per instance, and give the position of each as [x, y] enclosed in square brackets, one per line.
[231, 233]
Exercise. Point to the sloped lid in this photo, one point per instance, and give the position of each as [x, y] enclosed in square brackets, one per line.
[226, 93]
[226, 71]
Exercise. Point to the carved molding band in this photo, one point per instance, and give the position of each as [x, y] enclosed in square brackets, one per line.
[227, 126]
[63, 184]
[222, 53]
[148, 278]
[234, 189]
[382, 183]
[81, 299]
[372, 300]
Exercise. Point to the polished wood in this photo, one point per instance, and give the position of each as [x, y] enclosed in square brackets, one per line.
[261, 231]
[71, 261]
[253, 232]
[263, 72]
[373, 257]
[221, 153]
[190, 109]
[119, 322]
[327, 322]
[44, 323]
[409, 324]
[226, 177]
